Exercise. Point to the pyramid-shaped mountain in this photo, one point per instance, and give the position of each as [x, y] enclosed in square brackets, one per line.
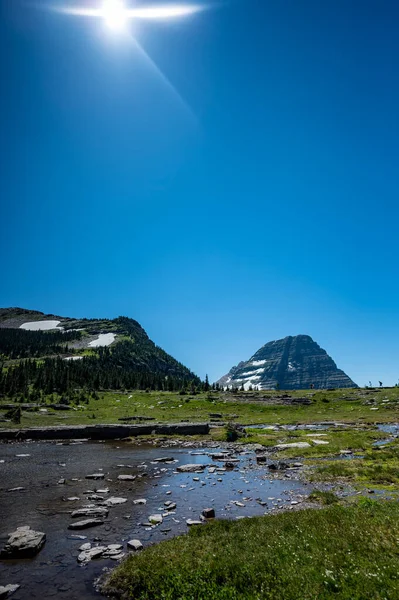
[293, 363]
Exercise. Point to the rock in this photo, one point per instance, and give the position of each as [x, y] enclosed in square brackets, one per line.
[84, 547]
[23, 543]
[292, 445]
[73, 498]
[126, 477]
[95, 476]
[229, 465]
[88, 555]
[141, 501]
[7, 590]
[191, 522]
[320, 442]
[117, 556]
[170, 505]
[113, 550]
[85, 524]
[61, 481]
[155, 519]
[16, 489]
[96, 511]
[135, 545]
[113, 501]
[190, 468]
[208, 513]
[216, 415]
[164, 459]
[260, 458]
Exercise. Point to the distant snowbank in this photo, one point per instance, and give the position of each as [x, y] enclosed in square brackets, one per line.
[104, 339]
[41, 325]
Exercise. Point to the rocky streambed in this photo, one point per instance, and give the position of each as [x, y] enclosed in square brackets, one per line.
[95, 502]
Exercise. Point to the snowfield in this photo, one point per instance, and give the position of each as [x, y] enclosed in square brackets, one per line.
[104, 339]
[41, 325]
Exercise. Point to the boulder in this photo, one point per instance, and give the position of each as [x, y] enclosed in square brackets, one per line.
[208, 513]
[140, 501]
[22, 543]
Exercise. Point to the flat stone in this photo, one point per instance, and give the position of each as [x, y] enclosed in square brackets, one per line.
[190, 468]
[7, 590]
[320, 442]
[88, 555]
[85, 524]
[126, 477]
[96, 511]
[155, 519]
[117, 556]
[135, 545]
[191, 522]
[113, 501]
[95, 476]
[164, 459]
[141, 501]
[73, 498]
[84, 547]
[22, 543]
[292, 445]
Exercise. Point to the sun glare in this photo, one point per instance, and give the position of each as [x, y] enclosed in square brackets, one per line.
[115, 15]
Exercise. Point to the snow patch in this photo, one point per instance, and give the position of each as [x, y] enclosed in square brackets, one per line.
[291, 367]
[73, 357]
[104, 339]
[41, 325]
[255, 372]
[255, 363]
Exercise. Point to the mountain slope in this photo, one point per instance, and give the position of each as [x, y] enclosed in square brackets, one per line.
[291, 363]
[64, 353]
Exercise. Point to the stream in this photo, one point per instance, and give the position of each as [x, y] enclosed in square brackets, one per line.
[52, 472]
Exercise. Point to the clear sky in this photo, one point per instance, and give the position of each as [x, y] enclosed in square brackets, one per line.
[233, 183]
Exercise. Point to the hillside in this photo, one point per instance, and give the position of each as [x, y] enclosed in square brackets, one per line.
[291, 363]
[55, 354]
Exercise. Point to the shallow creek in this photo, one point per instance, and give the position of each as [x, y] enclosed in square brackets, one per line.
[43, 503]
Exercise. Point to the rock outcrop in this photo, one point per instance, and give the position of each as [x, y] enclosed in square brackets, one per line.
[291, 363]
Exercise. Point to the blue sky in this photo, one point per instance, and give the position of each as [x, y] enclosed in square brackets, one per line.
[238, 186]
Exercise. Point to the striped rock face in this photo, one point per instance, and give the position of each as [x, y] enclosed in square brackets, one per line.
[292, 363]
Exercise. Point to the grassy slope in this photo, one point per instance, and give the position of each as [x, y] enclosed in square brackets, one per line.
[342, 405]
[347, 553]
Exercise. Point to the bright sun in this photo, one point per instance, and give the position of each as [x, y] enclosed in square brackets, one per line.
[115, 14]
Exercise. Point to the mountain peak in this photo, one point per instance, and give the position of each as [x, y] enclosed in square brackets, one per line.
[294, 362]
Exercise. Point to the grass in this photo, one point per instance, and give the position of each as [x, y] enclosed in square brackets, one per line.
[245, 408]
[324, 497]
[340, 552]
